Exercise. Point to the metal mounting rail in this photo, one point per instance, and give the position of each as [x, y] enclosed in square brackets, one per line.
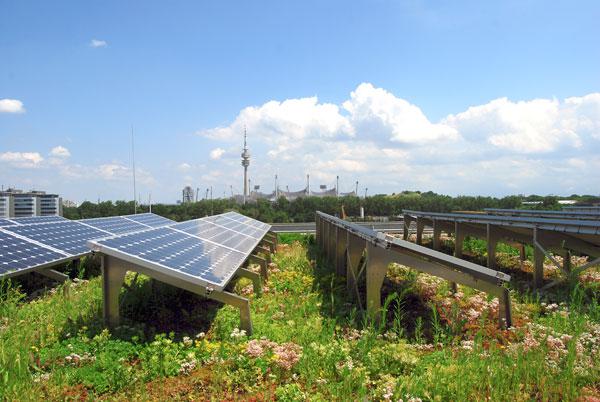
[346, 244]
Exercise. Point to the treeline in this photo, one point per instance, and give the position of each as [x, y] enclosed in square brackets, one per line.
[303, 209]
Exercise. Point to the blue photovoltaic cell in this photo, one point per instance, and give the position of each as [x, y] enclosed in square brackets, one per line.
[69, 236]
[151, 220]
[6, 222]
[180, 252]
[217, 234]
[18, 254]
[115, 224]
[38, 219]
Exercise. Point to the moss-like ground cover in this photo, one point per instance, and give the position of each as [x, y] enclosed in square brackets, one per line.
[310, 342]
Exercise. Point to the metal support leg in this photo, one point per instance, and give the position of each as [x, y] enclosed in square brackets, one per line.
[262, 263]
[492, 242]
[330, 243]
[407, 221]
[377, 264]
[567, 261]
[522, 255]
[354, 250]
[273, 238]
[269, 244]
[538, 261]
[113, 275]
[254, 277]
[420, 227]
[437, 232]
[265, 251]
[53, 274]
[236, 301]
[340, 251]
[504, 309]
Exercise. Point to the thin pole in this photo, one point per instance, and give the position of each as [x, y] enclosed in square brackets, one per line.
[133, 163]
[150, 202]
[212, 210]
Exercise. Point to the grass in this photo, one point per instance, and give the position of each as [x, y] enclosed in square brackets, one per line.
[310, 342]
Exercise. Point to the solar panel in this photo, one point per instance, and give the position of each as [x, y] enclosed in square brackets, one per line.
[6, 222]
[115, 224]
[18, 254]
[181, 254]
[218, 234]
[38, 219]
[69, 237]
[150, 219]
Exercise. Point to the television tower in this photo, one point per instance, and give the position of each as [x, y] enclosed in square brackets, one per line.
[245, 164]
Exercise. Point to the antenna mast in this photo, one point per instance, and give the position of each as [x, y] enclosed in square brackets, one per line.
[133, 165]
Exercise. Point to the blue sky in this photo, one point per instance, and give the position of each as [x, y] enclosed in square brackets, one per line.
[455, 97]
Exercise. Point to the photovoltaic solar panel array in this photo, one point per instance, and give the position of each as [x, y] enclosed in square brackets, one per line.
[206, 251]
[32, 242]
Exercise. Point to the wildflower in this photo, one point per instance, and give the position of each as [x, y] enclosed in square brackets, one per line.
[287, 355]
[467, 345]
[278, 315]
[238, 333]
[200, 335]
[187, 367]
[187, 341]
[254, 349]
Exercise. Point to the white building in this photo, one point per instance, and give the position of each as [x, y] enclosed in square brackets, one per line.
[16, 203]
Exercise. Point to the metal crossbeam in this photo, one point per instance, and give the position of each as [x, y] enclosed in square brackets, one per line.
[338, 237]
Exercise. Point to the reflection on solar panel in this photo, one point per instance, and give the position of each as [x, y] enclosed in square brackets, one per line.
[6, 222]
[69, 237]
[114, 224]
[218, 234]
[17, 254]
[151, 220]
[181, 254]
[38, 219]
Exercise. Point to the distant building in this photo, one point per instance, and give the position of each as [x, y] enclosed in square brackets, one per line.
[16, 203]
[69, 204]
[187, 195]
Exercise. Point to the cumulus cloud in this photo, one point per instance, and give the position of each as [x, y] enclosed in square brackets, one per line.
[22, 159]
[95, 43]
[11, 106]
[375, 112]
[60, 152]
[216, 153]
[379, 138]
[535, 126]
[292, 119]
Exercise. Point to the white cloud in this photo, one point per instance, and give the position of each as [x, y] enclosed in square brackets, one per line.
[216, 153]
[22, 159]
[11, 106]
[536, 126]
[60, 152]
[374, 112]
[98, 43]
[386, 142]
[184, 167]
[292, 119]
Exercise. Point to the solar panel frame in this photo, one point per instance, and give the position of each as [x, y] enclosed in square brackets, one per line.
[77, 235]
[115, 224]
[147, 260]
[151, 220]
[52, 256]
[560, 225]
[6, 222]
[33, 220]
